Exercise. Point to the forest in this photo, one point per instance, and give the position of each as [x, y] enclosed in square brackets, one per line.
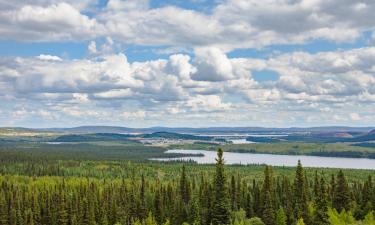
[54, 191]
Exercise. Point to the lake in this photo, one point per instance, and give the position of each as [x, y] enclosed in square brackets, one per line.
[274, 160]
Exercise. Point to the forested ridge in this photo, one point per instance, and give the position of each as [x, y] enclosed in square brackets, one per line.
[195, 196]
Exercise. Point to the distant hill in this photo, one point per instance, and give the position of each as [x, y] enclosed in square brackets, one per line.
[91, 137]
[370, 136]
[117, 129]
[20, 131]
[92, 129]
[122, 137]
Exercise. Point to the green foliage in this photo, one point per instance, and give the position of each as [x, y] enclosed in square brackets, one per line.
[341, 200]
[300, 203]
[102, 192]
[221, 212]
[300, 222]
[343, 218]
[255, 221]
[281, 218]
[369, 219]
[321, 202]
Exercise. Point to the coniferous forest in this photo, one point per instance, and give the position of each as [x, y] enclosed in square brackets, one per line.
[175, 193]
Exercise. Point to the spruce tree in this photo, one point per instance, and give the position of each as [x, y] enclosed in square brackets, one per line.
[321, 211]
[233, 194]
[300, 196]
[220, 211]
[184, 186]
[3, 209]
[341, 198]
[142, 207]
[268, 212]
[280, 217]
[249, 206]
[300, 222]
[63, 217]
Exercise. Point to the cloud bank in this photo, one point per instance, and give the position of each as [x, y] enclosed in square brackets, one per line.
[197, 81]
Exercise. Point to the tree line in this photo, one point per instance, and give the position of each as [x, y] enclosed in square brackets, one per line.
[195, 200]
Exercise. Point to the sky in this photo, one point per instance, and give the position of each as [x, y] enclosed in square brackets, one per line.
[187, 63]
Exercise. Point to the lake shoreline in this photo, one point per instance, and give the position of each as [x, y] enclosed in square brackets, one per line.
[271, 159]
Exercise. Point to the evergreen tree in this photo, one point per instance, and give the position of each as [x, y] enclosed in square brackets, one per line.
[255, 221]
[321, 211]
[220, 211]
[158, 207]
[280, 217]
[184, 186]
[249, 206]
[3, 209]
[63, 218]
[233, 194]
[268, 215]
[268, 212]
[300, 222]
[194, 212]
[341, 198]
[142, 206]
[300, 205]
[332, 188]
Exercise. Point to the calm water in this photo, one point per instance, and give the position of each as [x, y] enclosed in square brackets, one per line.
[275, 160]
[240, 141]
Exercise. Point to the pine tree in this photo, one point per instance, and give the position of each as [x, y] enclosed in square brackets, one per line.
[158, 207]
[29, 217]
[63, 218]
[233, 194]
[300, 205]
[332, 188]
[220, 211]
[268, 212]
[249, 206]
[280, 217]
[194, 212]
[341, 198]
[316, 184]
[142, 207]
[268, 215]
[184, 186]
[255, 221]
[300, 222]
[3, 209]
[366, 195]
[321, 211]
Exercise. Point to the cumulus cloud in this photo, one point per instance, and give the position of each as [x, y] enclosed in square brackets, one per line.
[195, 78]
[49, 57]
[228, 25]
[213, 65]
[57, 21]
[195, 84]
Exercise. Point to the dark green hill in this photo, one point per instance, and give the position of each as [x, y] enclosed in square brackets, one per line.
[91, 137]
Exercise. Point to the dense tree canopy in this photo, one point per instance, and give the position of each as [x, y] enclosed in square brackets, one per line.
[146, 196]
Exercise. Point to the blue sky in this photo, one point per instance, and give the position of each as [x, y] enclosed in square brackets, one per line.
[187, 63]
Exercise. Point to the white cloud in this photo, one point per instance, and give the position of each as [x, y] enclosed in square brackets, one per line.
[133, 115]
[92, 48]
[355, 116]
[207, 103]
[212, 65]
[228, 25]
[59, 21]
[49, 57]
